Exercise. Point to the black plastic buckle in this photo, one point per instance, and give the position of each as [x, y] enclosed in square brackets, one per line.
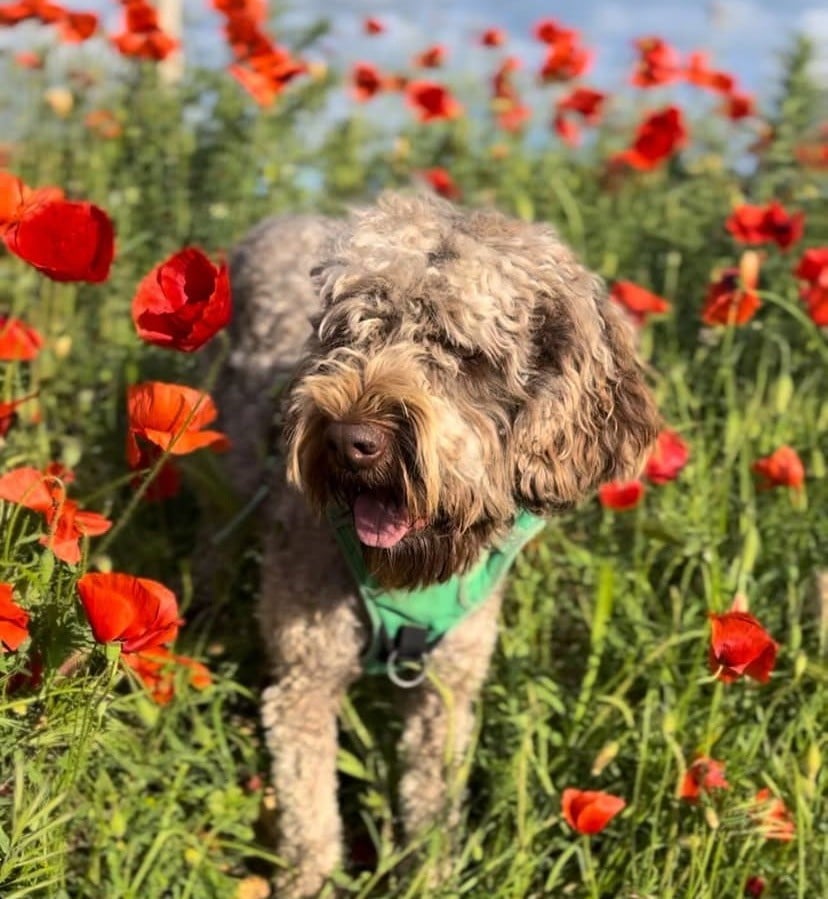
[408, 657]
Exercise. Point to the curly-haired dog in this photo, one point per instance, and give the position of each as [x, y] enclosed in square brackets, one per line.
[462, 374]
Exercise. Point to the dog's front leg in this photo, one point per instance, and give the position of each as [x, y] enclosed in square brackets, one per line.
[310, 620]
[439, 723]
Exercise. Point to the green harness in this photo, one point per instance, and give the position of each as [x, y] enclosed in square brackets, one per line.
[407, 624]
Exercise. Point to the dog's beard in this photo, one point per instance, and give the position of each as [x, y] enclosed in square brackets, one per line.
[407, 539]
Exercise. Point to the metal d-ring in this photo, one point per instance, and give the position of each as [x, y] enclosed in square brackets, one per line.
[396, 677]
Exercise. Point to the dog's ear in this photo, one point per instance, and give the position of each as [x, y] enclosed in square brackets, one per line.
[589, 416]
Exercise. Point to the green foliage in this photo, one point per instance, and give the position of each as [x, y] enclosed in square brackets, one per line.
[600, 679]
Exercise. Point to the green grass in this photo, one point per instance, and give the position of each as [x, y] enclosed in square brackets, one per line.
[600, 679]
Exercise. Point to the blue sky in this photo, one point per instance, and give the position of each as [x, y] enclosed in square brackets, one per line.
[746, 36]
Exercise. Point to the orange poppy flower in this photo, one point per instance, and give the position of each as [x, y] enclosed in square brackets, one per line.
[637, 301]
[766, 224]
[589, 811]
[28, 59]
[14, 621]
[137, 612]
[698, 72]
[620, 495]
[431, 101]
[703, 775]
[441, 182]
[68, 524]
[18, 341]
[372, 26]
[740, 645]
[103, 123]
[813, 270]
[493, 37]
[156, 668]
[659, 136]
[658, 63]
[26, 486]
[76, 27]
[172, 417]
[183, 302]
[430, 58]
[366, 81]
[782, 468]
[772, 817]
[17, 199]
[63, 240]
[732, 299]
[667, 459]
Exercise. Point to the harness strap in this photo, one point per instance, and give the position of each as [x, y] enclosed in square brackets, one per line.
[407, 624]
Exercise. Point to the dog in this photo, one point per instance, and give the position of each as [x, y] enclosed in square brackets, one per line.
[444, 379]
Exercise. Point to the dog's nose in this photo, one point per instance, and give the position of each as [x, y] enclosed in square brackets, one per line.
[356, 445]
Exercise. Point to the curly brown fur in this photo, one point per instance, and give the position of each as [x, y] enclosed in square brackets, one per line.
[457, 367]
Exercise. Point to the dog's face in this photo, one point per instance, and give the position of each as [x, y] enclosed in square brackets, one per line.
[463, 366]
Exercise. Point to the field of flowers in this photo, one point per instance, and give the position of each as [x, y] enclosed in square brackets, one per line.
[654, 725]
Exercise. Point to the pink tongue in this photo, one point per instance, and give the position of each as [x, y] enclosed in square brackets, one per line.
[379, 523]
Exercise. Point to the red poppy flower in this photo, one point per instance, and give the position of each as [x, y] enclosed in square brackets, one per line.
[8, 413]
[703, 775]
[565, 59]
[143, 37]
[63, 240]
[732, 299]
[17, 200]
[493, 37]
[26, 486]
[14, 621]
[584, 101]
[431, 101]
[166, 483]
[431, 58]
[738, 106]
[637, 301]
[567, 130]
[172, 417]
[763, 224]
[698, 72]
[441, 182]
[18, 341]
[28, 59]
[658, 137]
[156, 668]
[513, 117]
[620, 495]
[658, 63]
[740, 645]
[137, 612]
[755, 886]
[76, 27]
[589, 811]
[67, 526]
[813, 269]
[183, 302]
[366, 81]
[772, 817]
[255, 10]
[372, 26]
[782, 468]
[667, 459]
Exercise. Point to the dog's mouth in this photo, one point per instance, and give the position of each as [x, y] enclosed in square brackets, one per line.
[381, 521]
